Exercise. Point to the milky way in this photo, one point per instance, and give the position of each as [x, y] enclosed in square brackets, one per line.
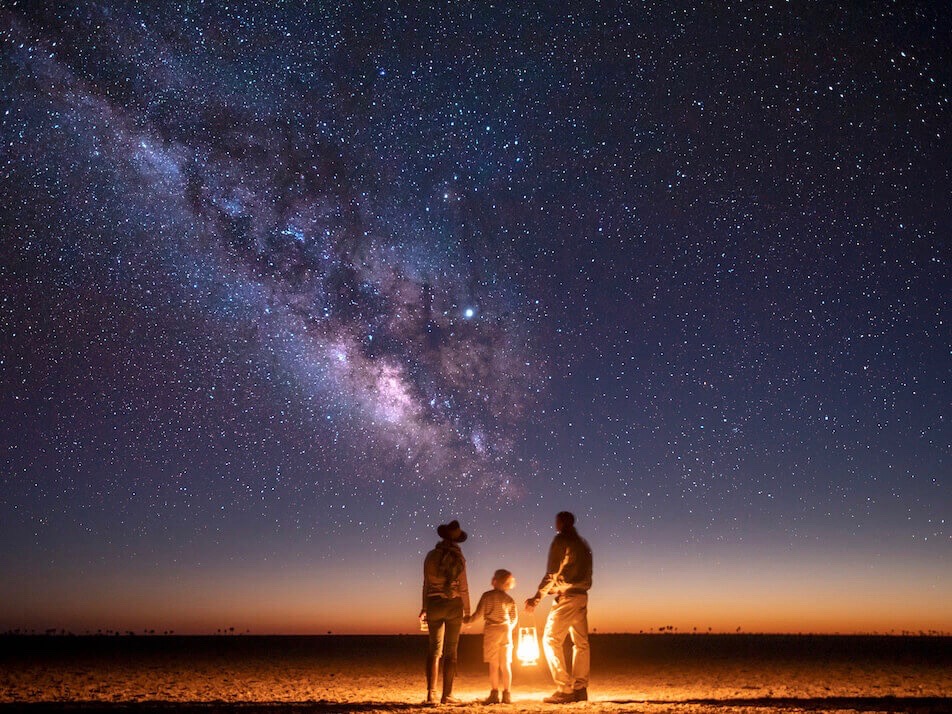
[403, 329]
[288, 286]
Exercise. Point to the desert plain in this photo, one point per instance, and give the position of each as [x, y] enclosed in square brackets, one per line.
[656, 674]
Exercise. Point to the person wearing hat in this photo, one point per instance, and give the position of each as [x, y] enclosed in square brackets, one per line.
[445, 604]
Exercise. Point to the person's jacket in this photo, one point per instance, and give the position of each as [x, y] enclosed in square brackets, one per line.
[569, 567]
[445, 558]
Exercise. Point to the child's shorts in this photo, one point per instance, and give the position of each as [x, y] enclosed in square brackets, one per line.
[497, 643]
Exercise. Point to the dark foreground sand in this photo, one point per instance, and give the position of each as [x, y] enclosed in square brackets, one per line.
[658, 674]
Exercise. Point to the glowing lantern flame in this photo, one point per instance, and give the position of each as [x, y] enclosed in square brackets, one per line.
[528, 648]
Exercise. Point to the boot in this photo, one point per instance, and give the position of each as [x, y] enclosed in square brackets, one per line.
[560, 697]
[432, 671]
[505, 697]
[449, 674]
[493, 697]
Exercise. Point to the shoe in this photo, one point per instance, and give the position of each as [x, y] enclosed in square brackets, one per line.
[493, 697]
[581, 695]
[560, 698]
[449, 699]
[430, 697]
[505, 697]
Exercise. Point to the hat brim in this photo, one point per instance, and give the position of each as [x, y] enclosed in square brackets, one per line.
[451, 531]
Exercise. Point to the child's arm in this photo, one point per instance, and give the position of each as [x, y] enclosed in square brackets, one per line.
[478, 612]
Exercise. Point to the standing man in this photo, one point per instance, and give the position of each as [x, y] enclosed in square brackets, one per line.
[568, 576]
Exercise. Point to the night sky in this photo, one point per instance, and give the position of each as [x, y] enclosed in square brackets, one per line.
[284, 286]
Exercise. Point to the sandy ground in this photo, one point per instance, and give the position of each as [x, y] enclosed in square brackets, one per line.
[659, 674]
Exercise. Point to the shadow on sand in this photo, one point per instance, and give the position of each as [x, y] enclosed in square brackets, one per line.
[908, 705]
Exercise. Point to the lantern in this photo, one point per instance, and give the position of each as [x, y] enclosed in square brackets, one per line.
[528, 648]
[424, 627]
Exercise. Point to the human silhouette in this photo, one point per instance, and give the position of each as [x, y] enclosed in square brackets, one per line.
[568, 576]
[498, 610]
[445, 604]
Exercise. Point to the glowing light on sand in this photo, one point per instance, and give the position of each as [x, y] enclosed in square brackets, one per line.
[528, 648]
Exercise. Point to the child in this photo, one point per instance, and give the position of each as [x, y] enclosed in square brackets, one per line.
[499, 612]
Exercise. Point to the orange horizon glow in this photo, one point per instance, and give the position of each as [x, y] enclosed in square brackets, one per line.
[711, 598]
[759, 589]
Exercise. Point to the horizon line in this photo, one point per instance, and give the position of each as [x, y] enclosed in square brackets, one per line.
[63, 633]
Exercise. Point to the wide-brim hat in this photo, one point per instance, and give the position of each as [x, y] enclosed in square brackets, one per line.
[451, 531]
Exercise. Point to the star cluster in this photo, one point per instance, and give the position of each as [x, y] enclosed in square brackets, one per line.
[290, 285]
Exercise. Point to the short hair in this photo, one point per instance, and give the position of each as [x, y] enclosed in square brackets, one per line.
[567, 519]
[501, 575]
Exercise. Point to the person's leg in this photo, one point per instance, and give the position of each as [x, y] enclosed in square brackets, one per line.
[454, 623]
[494, 666]
[505, 672]
[493, 697]
[553, 637]
[578, 630]
[437, 628]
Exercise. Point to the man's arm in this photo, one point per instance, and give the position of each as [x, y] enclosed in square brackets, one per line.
[552, 569]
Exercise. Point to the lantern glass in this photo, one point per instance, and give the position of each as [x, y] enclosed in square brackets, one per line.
[528, 648]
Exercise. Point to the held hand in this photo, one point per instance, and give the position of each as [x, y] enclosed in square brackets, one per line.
[531, 605]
